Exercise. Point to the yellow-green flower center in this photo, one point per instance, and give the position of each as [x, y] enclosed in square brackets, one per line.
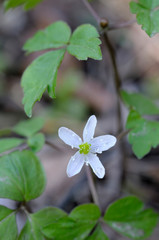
[84, 148]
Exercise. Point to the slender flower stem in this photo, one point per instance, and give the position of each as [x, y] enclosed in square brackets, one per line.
[92, 186]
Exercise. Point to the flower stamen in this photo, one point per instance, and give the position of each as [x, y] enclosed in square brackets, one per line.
[84, 148]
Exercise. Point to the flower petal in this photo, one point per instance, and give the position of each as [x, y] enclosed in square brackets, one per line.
[75, 164]
[69, 137]
[89, 129]
[96, 165]
[102, 143]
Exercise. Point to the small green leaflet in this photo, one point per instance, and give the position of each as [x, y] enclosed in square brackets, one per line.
[98, 234]
[37, 221]
[16, 3]
[22, 176]
[39, 76]
[84, 43]
[54, 36]
[143, 135]
[140, 103]
[147, 15]
[77, 225]
[8, 227]
[9, 143]
[128, 217]
[36, 142]
[29, 127]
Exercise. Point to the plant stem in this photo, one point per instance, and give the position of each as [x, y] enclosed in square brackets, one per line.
[122, 134]
[91, 10]
[92, 186]
[111, 51]
[117, 79]
[116, 26]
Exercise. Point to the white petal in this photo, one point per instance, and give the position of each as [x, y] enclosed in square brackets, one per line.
[96, 165]
[75, 164]
[102, 143]
[89, 129]
[69, 137]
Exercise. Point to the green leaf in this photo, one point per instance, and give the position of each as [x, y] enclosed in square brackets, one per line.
[140, 103]
[29, 127]
[22, 177]
[39, 76]
[37, 221]
[144, 134]
[90, 212]
[36, 142]
[77, 225]
[28, 4]
[128, 217]
[84, 43]
[9, 143]
[147, 15]
[8, 227]
[98, 234]
[54, 36]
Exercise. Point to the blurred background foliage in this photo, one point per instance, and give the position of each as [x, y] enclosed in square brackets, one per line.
[83, 88]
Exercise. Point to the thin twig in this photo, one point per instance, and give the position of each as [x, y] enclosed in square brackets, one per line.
[91, 10]
[92, 186]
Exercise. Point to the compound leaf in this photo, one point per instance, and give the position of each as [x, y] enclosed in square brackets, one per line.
[54, 36]
[77, 225]
[147, 15]
[37, 221]
[128, 217]
[84, 43]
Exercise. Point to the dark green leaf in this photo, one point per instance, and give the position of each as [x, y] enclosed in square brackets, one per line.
[128, 217]
[27, 3]
[39, 76]
[77, 226]
[9, 143]
[144, 134]
[36, 142]
[8, 227]
[90, 212]
[98, 234]
[29, 127]
[67, 228]
[22, 177]
[54, 36]
[37, 221]
[84, 43]
[147, 14]
[140, 103]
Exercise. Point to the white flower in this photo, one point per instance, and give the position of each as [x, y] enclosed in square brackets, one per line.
[87, 148]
